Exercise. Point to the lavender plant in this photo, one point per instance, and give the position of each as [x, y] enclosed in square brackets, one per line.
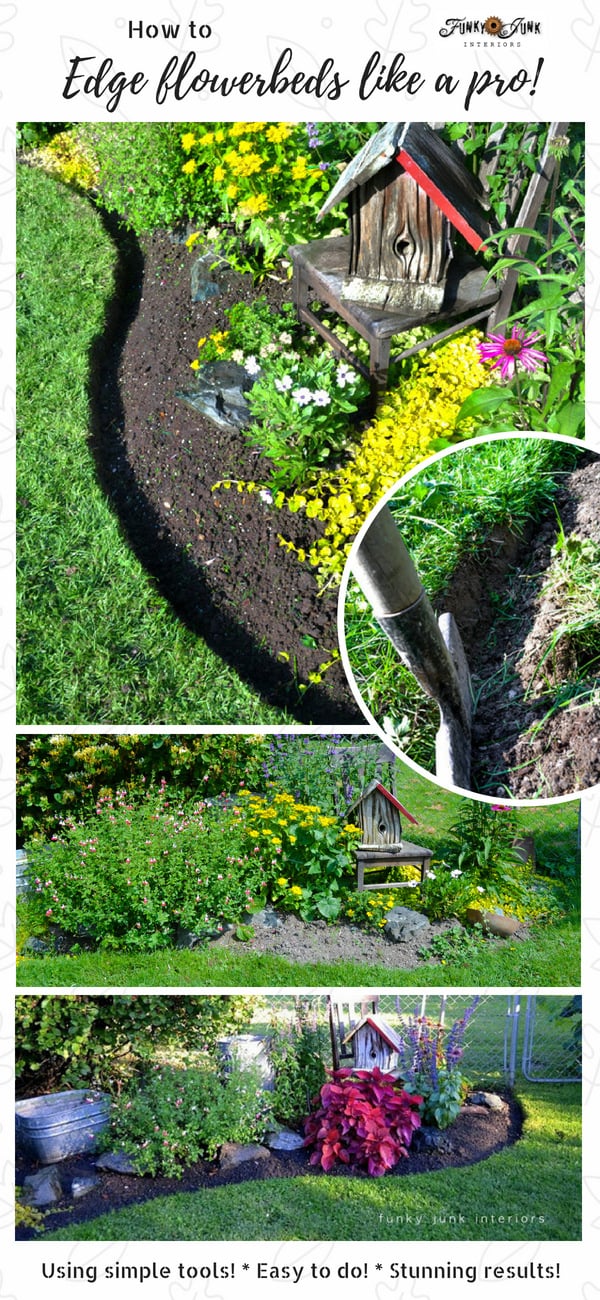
[430, 1058]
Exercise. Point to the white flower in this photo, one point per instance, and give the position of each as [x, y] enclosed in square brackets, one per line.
[266, 496]
[413, 884]
[238, 356]
[268, 349]
[285, 338]
[431, 875]
[284, 385]
[456, 873]
[252, 366]
[321, 397]
[480, 889]
[345, 375]
[302, 396]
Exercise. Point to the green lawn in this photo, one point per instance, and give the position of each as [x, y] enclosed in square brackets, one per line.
[98, 643]
[537, 1181]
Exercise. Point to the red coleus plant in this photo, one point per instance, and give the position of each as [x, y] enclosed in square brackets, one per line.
[365, 1119]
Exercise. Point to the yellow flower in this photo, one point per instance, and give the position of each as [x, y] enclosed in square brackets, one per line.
[207, 139]
[253, 205]
[282, 881]
[219, 173]
[231, 191]
[195, 365]
[279, 132]
[189, 166]
[193, 239]
[188, 141]
[296, 891]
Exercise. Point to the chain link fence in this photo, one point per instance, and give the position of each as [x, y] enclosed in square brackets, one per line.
[536, 1036]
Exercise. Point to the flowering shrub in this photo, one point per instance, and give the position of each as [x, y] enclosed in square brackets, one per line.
[68, 158]
[182, 1115]
[311, 852]
[365, 1119]
[429, 1059]
[270, 179]
[136, 874]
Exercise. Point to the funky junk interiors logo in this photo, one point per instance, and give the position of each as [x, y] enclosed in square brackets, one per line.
[495, 29]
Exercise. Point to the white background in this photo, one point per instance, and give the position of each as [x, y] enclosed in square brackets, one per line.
[36, 46]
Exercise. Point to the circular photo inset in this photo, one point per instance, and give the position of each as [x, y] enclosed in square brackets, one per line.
[470, 617]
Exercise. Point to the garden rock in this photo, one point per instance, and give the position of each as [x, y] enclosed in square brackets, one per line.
[427, 1138]
[267, 917]
[402, 924]
[35, 946]
[237, 1153]
[81, 1186]
[220, 394]
[284, 1139]
[490, 1100]
[44, 1188]
[118, 1162]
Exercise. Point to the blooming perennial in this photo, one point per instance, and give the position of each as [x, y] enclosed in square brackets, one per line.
[513, 350]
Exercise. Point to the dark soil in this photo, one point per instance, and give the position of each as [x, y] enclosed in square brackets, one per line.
[215, 556]
[506, 623]
[323, 942]
[476, 1134]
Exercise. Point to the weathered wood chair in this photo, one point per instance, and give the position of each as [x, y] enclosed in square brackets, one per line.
[408, 192]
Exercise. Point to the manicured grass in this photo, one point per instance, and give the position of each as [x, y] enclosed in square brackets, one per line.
[97, 641]
[538, 1180]
[551, 957]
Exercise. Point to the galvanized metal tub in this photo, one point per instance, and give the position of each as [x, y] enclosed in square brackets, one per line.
[61, 1124]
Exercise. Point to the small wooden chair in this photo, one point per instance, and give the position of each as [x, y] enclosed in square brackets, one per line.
[321, 267]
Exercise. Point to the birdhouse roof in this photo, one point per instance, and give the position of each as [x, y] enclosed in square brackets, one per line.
[380, 1026]
[376, 785]
[439, 171]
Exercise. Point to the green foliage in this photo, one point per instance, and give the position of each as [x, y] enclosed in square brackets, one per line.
[483, 836]
[65, 774]
[31, 135]
[135, 874]
[306, 854]
[270, 180]
[457, 944]
[303, 399]
[448, 892]
[443, 1102]
[26, 1216]
[140, 176]
[298, 1053]
[177, 1116]
[332, 771]
[79, 1041]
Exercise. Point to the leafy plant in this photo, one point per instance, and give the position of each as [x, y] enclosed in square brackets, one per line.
[297, 1053]
[365, 1119]
[429, 1060]
[483, 842]
[457, 944]
[178, 1116]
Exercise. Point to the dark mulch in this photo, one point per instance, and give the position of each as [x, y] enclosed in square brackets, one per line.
[506, 622]
[476, 1134]
[215, 556]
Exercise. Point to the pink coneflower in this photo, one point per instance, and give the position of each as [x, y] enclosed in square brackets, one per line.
[512, 350]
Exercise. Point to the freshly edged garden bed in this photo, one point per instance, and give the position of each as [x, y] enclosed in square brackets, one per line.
[476, 1134]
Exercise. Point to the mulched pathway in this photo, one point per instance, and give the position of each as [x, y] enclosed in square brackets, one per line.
[476, 1134]
[215, 556]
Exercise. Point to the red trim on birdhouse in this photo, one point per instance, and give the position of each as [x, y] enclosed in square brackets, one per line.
[396, 802]
[442, 200]
[380, 1028]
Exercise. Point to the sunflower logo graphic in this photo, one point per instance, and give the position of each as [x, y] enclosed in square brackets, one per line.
[493, 26]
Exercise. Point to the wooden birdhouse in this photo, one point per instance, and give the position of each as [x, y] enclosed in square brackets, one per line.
[407, 193]
[374, 1044]
[378, 813]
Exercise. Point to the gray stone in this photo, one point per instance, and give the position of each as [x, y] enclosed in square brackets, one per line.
[267, 917]
[44, 1188]
[430, 1139]
[204, 282]
[117, 1161]
[237, 1153]
[36, 946]
[489, 1099]
[81, 1186]
[219, 394]
[284, 1139]
[403, 924]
